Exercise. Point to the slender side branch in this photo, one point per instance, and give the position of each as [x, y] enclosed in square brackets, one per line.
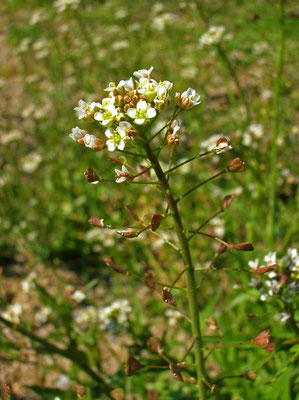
[200, 184]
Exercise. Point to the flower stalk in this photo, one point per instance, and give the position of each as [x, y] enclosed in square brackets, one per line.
[192, 297]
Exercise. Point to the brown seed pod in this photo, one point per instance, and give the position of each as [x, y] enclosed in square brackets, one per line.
[95, 221]
[176, 371]
[236, 165]
[111, 264]
[227, 200]
[132, 366]
[167, 297]
[246, 246]
[156, 221]
[91, 176]
[154, 345]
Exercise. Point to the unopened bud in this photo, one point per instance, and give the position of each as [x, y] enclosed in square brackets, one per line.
[95, 221]
[126, 107]
[132, 366]
[167, 297]
[250, 375]
[111, 264]
[91, 176]
[246, 246]
[119, 101]
[236, 165]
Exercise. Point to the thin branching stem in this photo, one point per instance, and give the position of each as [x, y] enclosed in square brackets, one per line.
[186, 162]
[200, 184]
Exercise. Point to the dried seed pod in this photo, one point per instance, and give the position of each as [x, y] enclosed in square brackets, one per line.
[154, 345]
[91, 176]
[262, 339]
[262, 270]
[156, 221]
[176, 372]
[132, 366]
[246, 246]
[227, 200]
[128, 234]
[111, 264]
[99, 223]
[167, 297]
[236, 165]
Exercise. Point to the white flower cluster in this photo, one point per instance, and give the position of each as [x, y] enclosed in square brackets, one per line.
[130, 105]
[13, 312]
[213, 36]
[62, 5]
[281, 280]
[173, 316]
[115, 314]
[28, 282]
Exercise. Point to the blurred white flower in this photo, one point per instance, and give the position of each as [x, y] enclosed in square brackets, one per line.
[41, 316]
[78, 296]
[213, 36]
[13, 312]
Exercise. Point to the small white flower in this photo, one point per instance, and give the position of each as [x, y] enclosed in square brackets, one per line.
[107, 113]
[86, 111]
[78, 296]
[213, 36]
[28, 282]
[142, 113]
[122, 175]
[270, 258]
[143, 73]
[254, 264]
[116, 139]
[89, 140]
[77, 134]
[283, 317]
[41, 316]
[173, 316]
[188, 99]
[13, 313]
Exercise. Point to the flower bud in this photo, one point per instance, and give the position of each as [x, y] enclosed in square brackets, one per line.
[167, 297]
[91, 176]
[132, 366]
[246, 246]
[236, 165]
[119, 101]
[250, 375]
[126, 107]
[111, 264]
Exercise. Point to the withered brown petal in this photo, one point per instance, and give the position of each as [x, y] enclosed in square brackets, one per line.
[156, 221]
[246, 246]
[176, 372]
[111, 264]
[167, 297]
[132, 366]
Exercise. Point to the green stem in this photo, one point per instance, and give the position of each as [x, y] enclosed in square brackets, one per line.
[193, 305]
[200, 184]
[275, 129]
